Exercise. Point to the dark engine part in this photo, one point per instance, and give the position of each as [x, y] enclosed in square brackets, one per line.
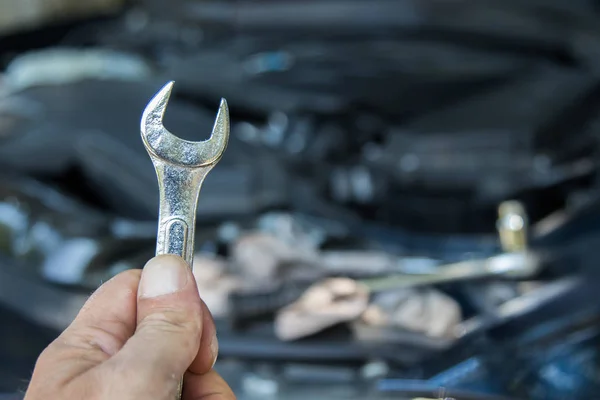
[464, 159]
[88, 131]
[423, 103]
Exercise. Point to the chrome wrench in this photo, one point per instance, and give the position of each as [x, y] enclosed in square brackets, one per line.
[181, 167]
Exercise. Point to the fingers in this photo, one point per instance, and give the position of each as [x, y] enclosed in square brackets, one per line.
[209, 345]
[139, 332]
[208, 386]
[100, 329]
[169, 329]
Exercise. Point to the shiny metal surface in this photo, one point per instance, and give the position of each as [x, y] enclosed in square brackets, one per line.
[181, 167]
[517, 265]
[512, 226]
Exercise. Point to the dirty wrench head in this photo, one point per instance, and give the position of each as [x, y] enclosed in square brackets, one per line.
[165, 146]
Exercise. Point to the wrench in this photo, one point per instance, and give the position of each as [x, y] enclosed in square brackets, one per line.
[507, 265]
[181, 167]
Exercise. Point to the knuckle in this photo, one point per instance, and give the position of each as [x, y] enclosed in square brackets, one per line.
[171, 320]
[97, 339]
[46, 357]
[54, 353]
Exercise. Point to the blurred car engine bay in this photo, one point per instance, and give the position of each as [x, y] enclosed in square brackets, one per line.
[427, 229]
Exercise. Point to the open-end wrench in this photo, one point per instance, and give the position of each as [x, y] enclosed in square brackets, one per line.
[181, 167]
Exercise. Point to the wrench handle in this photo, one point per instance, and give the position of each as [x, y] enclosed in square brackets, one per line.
[179, 188]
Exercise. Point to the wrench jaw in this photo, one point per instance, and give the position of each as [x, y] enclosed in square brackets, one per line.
[152, 129]
[219, 137]
[181, 167]
[163, 146]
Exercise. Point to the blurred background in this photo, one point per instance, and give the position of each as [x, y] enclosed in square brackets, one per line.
[409, 206]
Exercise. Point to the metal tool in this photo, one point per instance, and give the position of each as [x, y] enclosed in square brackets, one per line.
[181, 167]
[507, 265]
[512, 226]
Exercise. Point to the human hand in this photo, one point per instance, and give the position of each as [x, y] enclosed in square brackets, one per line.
[134, 339]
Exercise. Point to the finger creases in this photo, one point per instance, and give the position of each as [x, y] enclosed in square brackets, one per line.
[169, 322]
[104, 324]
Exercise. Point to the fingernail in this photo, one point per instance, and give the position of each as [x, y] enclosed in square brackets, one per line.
[163, 275]
[214, 349]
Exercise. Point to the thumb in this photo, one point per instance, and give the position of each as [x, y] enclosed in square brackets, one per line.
[169, 329]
